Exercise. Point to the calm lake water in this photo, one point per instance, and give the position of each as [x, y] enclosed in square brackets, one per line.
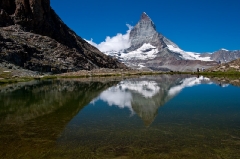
[147, 117]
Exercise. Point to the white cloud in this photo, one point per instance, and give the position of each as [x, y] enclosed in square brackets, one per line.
[116, 43]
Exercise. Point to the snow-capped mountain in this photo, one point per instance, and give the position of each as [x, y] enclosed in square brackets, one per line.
[150, 49]
[145, 33]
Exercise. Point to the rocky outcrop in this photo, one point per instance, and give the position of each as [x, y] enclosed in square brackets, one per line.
[34, 37]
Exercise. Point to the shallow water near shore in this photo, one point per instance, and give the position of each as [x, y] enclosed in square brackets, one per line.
[166, 116]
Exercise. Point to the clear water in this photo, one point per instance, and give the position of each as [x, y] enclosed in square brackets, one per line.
[147, 117]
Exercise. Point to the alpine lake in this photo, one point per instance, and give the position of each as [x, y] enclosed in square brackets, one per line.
[162, 117]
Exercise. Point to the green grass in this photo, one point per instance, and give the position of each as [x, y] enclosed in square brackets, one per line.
[79, 76]
[47, 77]
[24, 79]
[5, 75]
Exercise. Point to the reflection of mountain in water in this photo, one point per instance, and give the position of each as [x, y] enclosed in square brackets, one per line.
[35, 113]
[25, 101]
[145, 95]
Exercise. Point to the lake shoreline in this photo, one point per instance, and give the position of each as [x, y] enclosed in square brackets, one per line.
[12, 77]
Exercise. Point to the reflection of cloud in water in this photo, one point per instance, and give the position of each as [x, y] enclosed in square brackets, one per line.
[117, 97]
[121, 95]
[188, 82]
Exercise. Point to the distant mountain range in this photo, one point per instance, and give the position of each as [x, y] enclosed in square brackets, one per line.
[150, 49]
[33, 37]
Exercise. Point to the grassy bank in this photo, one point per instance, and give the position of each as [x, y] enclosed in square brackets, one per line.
[8, 77]
[15, 80]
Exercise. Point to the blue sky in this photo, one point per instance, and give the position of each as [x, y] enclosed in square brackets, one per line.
[194, 25]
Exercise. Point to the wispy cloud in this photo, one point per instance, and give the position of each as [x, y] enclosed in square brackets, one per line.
[116, 43]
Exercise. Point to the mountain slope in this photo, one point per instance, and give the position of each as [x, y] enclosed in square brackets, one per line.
[32, 36]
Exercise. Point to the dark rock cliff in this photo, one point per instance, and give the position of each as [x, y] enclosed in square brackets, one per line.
[34, 37]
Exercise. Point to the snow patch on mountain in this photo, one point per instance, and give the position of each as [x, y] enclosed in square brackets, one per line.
[188, 55]
[146, 51]
[224, 49]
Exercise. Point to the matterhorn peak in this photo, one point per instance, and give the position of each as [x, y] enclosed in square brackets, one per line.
[144, 33]
[144, 16]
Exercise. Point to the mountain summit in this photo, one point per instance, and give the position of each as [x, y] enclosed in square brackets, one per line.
[145, 32]
[144, 16]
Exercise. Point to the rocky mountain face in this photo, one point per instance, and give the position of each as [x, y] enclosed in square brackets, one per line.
[32, 36]
[145, 32]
